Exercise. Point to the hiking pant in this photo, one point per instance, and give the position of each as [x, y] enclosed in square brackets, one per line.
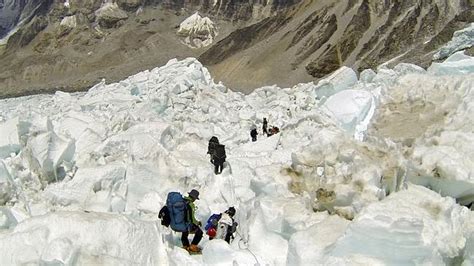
[227, 237]
[254, 138]
[218, 166]
[197, 236]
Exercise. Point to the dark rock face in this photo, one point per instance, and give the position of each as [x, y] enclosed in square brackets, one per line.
[33, 16]
[315, 42]
[320, 37]
[129, 5]
[242, 39]
[10, 12]
[234, 10]
[26, 34]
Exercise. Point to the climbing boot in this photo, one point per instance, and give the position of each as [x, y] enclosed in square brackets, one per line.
[194, 248]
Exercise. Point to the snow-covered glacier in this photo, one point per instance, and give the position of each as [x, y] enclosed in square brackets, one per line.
[83, 175]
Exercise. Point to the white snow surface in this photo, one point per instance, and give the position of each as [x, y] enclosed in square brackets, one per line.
[83, 175]
[197, 31]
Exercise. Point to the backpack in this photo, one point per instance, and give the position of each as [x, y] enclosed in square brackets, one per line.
[253, 133]
[164, 215]
[177, 207]
[212, 221]
[220, 151]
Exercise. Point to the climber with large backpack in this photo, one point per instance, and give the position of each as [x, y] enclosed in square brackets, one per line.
[253, 134]
[222, 225]
[179, 214]
[211, 147]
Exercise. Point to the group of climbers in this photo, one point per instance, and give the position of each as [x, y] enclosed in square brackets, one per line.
[265, 130]
[179, 214]
[217, 150]
[179, 211]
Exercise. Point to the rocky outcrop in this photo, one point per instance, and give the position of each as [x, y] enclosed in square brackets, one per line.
[67, 24]
[109, 14]
[129, 5]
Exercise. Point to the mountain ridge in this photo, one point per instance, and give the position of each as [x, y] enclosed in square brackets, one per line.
[359, 34]
[259, 42]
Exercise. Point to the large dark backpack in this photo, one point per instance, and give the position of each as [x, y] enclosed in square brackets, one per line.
[177, 208]
[253, 133]
[220, 152]
[212, 221]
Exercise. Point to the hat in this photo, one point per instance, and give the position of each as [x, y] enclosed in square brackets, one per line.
[194, 194]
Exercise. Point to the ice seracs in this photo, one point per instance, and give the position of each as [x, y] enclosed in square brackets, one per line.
[197, 31]
[457, 64]
[462, 39]
[437, 226]
[83, 175]
[9, 138]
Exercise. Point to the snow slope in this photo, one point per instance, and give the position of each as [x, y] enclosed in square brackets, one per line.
[83, 175]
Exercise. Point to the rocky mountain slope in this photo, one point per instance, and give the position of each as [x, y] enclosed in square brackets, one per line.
[315, 38]
[72, 44]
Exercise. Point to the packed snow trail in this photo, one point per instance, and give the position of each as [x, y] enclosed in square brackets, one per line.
[94, 169]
